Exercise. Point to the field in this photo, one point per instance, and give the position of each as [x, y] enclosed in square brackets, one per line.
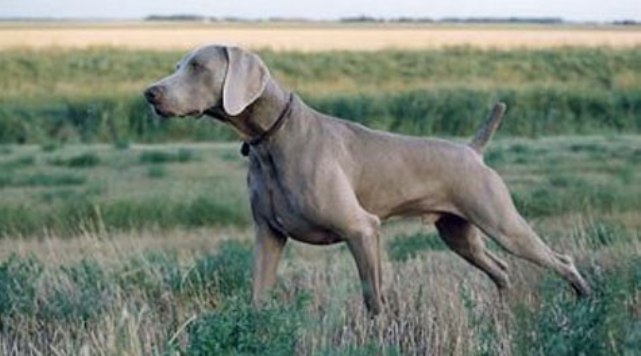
[312, 36]
[94, 95]
[143, 251]
[123, 234]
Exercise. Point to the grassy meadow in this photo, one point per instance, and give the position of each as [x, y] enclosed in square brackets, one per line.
[123, 234]
[147, 249]
[95, 95]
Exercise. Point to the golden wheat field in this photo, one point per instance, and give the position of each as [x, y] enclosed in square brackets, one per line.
[311, 36]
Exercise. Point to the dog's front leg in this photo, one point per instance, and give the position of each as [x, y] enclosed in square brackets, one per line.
[364, 244]
[267, 252]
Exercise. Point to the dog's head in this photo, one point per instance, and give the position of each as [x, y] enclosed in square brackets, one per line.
[207, 79]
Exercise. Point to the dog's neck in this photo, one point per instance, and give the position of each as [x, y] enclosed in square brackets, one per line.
[261, 115]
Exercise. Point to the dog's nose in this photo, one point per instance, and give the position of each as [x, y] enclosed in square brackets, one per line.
[154, 94]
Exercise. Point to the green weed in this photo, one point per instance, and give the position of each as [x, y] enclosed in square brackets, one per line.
[402, 248]
[237, 328]
[226, 273]
[82, 293]
[183, 155]
[18, 291]
[84, 160]
[599, 325]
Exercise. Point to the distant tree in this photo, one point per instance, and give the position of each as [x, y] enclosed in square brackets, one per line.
[537, 20]
[178, 17]
[361, 18]
[626, 23]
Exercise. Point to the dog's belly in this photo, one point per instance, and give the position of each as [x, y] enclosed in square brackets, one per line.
[294, 223]
[316, 237]
[298, 226]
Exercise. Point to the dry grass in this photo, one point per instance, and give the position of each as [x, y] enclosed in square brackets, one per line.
[436, 304]
[56, 250]
[311, 37]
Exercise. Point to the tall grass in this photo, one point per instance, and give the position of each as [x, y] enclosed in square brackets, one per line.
[159, 302]
[74, 213]
[95, 95]
[166, 186]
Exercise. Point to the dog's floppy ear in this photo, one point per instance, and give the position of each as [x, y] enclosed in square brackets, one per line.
[245, 81]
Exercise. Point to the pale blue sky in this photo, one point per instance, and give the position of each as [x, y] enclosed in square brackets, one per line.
[582, 10]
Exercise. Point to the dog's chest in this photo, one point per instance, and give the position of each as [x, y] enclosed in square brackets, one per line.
[274, 201]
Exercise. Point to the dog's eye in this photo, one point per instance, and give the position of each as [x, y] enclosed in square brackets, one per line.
[194, 65]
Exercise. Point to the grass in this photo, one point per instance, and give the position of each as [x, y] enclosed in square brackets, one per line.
[203, 185]
[84, 160]
[78, 187]
[157, 171]
[97, 92]
[196, 301]
[19, 162]
[183, 155]
[132, 261]
[403, 248]
[124, 248]
[41, 180]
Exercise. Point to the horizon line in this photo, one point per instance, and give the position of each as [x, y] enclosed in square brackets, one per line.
[345, 19]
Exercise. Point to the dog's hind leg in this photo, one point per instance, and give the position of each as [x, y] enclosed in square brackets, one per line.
[518, 238]
[465, 239]
[495, 214]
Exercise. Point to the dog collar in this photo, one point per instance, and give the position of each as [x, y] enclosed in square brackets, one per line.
[244, 149]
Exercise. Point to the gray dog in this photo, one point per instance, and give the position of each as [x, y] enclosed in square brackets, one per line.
[323, 180]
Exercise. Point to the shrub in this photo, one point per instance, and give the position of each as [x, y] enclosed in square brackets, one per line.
[237, 328]
[226, 273]
[77, 293]
[18, 286]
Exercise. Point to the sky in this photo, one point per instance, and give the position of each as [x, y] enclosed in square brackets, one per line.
[575, 10]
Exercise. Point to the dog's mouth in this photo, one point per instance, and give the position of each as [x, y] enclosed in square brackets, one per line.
[165, 114]
[197, 114]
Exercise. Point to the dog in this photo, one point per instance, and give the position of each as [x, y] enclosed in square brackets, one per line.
[323, 180]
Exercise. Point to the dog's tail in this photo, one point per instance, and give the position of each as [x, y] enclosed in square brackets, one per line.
[485, 132]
